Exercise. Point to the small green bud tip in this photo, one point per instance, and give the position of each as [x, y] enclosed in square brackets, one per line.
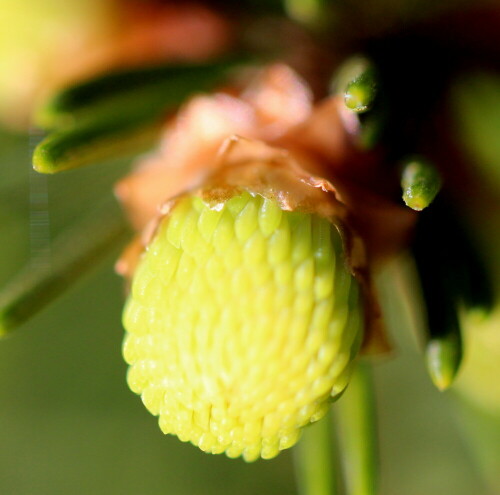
[242, 322]
[360, 92]
[3, 328]
[420, 182]
[41, 161]
[443, 358]
[46, 115]
[7, 314]
[306, 11]
[7, 326]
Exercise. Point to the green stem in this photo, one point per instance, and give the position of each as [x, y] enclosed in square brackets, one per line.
[315, 462]
[356, 427]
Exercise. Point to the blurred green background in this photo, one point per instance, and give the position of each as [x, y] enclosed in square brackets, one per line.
[68, 423]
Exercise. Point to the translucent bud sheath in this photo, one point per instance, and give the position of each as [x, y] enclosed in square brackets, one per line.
[242, 323]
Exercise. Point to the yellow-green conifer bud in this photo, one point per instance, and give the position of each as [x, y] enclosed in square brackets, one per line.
[242, 324]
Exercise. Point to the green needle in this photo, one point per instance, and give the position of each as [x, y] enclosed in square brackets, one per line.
[73, 253]
[121, 91]
[95, 142]
[117, 115]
